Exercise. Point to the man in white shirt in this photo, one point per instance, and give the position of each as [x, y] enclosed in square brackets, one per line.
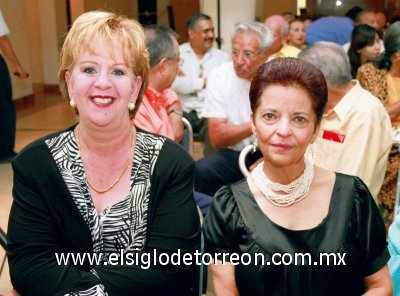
[227, 106]
[198, 57]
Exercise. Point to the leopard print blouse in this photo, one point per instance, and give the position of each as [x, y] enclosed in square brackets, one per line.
[374, 80]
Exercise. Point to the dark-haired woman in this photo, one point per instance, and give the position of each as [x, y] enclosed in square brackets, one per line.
[365, 44]
[273, 228]
[382, 78]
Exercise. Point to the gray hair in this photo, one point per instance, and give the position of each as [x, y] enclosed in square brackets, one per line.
[160, 43]
[331, 59]
[264, 34]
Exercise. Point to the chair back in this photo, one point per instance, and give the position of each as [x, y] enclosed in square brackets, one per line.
[187, 139]
[242, 159]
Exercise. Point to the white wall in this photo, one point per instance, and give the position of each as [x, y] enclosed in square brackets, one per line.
[15, 16]
[232, 12]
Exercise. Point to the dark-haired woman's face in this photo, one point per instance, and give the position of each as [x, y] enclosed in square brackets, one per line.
[371, 50]
[285, 124]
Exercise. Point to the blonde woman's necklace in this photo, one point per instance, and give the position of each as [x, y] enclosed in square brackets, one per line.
[119, 176]
[292, 193]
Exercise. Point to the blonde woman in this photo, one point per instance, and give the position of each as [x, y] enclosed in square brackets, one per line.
[102, 187]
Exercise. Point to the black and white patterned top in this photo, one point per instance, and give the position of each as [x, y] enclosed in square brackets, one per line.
[123, 225]
[53, 214]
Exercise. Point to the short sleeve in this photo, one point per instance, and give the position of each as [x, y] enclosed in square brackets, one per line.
[3, 26]
[221, 223]
[370, 230]
[214, 104]
[170, 97]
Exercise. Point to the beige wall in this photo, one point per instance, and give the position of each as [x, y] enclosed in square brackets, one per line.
[279, 7]
[229, 16]
[14, 13]
[49, 41]
[34, 41]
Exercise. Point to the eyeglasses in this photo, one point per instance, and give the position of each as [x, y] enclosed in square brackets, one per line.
[175, 59]
[248, 54]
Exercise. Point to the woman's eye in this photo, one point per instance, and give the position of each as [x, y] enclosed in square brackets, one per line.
[269, 116]
[89, 70]
[300, 119]
[118, 72]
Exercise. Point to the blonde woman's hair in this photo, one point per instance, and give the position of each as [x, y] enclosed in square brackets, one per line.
[96, 30]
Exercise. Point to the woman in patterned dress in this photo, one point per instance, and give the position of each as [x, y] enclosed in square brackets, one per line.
[103, 187]
[382, 79]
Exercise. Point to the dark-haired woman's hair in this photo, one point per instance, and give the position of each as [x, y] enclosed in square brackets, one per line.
[391, 40]
[361, 36]
[291, 72]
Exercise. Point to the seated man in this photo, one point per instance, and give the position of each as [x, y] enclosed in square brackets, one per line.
[355, 134]
[160, 111]
[227, 106]
[198, 58]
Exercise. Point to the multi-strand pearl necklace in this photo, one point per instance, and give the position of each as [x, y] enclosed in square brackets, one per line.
[295, 191]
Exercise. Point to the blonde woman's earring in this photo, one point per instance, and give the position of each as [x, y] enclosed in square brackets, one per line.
[72, 103]
[131, 106]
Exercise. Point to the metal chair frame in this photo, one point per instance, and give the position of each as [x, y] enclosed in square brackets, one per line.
[187, 140]
[242, 159]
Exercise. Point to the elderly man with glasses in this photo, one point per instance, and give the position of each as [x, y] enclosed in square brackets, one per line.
[227, 106]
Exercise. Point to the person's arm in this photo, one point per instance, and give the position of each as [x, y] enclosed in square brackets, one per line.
[220, 235]
[223, 276]
[221, 133]
[33, 241]
[393, 110]
[8, 51]
[188, 85]
[175, 114]
[370, 231]
[34, 234]
[379, 283]
[224, 134]
[174, 225]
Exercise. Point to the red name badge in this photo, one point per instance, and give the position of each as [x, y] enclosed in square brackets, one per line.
[333, 136]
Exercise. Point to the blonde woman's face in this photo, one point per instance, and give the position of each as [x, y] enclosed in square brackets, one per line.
[102, 87]
[297, 34]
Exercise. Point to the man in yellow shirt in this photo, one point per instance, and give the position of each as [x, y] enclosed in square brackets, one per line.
[355, 134]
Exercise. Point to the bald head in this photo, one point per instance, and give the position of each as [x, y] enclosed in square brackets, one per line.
[368, 18]
[280, 28]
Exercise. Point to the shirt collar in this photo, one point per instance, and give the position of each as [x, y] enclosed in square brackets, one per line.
[156, 98]
[346, 103]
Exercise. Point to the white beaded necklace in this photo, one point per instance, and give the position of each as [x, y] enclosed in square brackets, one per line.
[296, 190]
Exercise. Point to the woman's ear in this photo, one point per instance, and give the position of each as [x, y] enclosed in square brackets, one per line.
[136, 88]
[68, 82]
[162, 65]
[253, 126]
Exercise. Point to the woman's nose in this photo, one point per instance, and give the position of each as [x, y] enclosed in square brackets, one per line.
[103, 80]
[284, 128]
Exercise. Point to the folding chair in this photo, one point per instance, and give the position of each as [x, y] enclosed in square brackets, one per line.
[187, 140]
[3, 243]
[242, 159]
